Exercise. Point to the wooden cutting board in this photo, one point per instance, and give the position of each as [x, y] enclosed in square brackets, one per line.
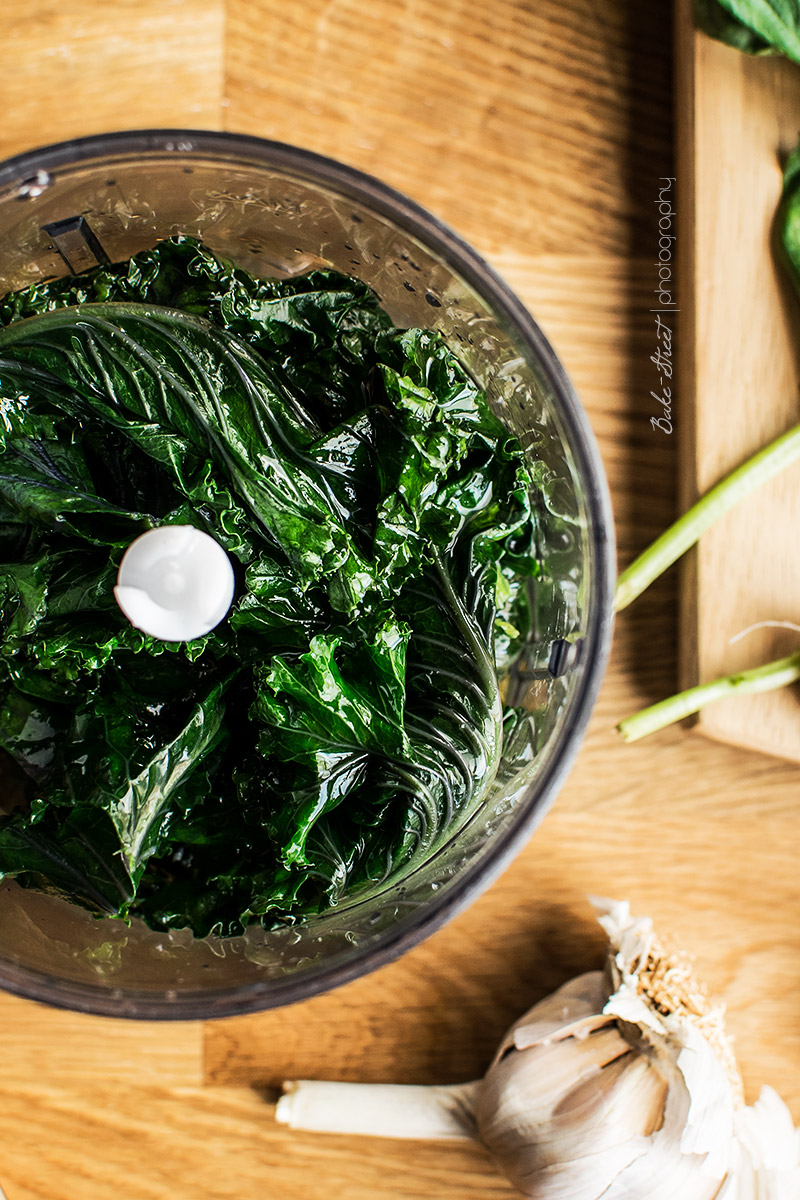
[738, 348]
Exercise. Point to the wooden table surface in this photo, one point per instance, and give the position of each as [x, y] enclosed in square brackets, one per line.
[539, 131]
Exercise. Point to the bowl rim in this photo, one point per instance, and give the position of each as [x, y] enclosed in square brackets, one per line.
[240, 999]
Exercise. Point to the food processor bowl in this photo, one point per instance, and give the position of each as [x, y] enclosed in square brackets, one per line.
[279, 211]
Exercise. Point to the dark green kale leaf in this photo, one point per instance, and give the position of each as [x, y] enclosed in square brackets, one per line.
[317, 331]
[116, 765]
[753, 26]
[458, 487]
[346, 717]
[150, 373]
[788, 218]
[75, 857]
[29, 732]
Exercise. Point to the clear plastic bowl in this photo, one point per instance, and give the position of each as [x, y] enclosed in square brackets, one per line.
[280, 211]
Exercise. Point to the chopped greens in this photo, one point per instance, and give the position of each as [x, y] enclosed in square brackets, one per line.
[346, 716]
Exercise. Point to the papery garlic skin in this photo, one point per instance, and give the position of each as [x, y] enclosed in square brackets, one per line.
[748, 1153]
[619, 1086]
[766, 1163]
[566, 1108]
[578, 1110]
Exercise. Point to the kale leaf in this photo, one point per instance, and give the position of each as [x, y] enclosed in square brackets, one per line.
[754, 26]
[345, 718]
[788, 218]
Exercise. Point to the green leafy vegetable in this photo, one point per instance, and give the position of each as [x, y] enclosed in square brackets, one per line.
[788, 218]
[346, 717]
[754, 26]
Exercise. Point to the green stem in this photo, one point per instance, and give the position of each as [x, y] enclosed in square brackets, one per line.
[776, 674]
[676, 540]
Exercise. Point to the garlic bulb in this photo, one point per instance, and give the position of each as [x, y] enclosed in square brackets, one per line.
[620, 1085]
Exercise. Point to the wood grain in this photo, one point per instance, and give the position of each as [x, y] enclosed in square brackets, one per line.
[47, 1043]
[474, 110]
[539, 132]
[75, 68]
[740, 335]
[158, 1143]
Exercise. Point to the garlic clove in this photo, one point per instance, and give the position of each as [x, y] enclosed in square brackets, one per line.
[709, 1126]
[766, 1160]
[629, 1098]
[667, 1171]
[573, 1010]
[653, 1177]
[528, 1084]
[592, 1102]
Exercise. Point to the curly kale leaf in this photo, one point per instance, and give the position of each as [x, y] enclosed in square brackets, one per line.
[107, 780]
[753, 26]
[346, 717]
